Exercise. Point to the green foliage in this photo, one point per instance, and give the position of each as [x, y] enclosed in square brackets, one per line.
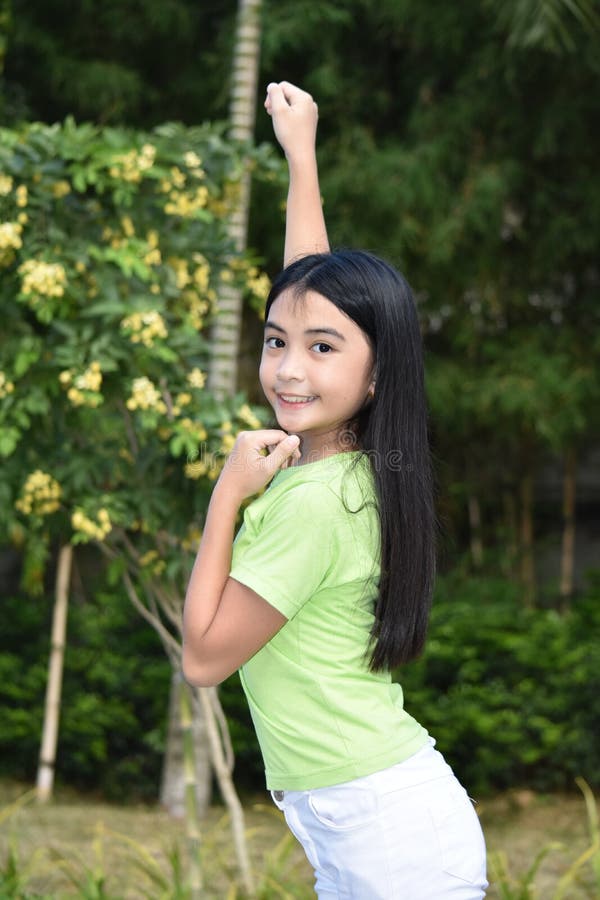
[510, 694]
[113, 244]
[162, 60]
[114, 701]
[467, 156]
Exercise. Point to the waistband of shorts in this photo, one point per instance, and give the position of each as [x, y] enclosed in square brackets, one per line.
[427, 764]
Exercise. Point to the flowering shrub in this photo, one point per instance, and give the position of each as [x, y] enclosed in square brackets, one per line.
[112, 247]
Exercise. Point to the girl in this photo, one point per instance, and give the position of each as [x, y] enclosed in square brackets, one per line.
[327, 586]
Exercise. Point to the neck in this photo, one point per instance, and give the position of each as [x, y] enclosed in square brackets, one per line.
[316, 447]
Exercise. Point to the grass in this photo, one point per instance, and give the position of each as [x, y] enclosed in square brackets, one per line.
[76, 847]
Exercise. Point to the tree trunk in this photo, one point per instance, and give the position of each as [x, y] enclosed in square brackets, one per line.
[567, 559]
[511, 525]
[173, 784]
[45, 775]
[226, 332]
[527, 563]
[475, 530]
[192, 823]
[208, 699]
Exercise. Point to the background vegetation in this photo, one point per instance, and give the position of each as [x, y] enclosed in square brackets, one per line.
[457, 140]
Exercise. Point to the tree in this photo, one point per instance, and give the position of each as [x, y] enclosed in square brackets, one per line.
[112, 243]
[226, 334]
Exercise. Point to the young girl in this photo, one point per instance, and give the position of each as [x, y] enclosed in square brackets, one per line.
[327, 586]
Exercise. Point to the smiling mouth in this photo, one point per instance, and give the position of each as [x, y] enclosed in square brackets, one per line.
[295, 399]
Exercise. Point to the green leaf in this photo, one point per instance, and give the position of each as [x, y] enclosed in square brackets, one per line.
[9, 438]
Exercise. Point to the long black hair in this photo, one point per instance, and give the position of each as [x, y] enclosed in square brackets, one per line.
[392, 431]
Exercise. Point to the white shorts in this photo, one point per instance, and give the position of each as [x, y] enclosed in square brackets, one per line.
[406, 833]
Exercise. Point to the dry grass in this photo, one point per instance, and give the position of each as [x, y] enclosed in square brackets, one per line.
[100, 835]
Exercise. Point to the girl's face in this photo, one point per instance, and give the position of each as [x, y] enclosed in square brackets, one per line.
[316, 370]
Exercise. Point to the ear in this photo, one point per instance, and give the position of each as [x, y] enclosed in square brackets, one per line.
[371, 391]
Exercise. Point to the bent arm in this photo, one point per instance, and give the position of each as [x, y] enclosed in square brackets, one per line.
[295, 116]
[225, 622]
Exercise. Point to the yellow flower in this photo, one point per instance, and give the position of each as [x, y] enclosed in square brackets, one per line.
[153, 257]
[148, 557]
[183, 399]
[6, 184]
[214, 471]
[23, 218]
[10, 236]
[177, 177]
[6, 386]
[192, 160]
[195, 469]
[129, 166]
[95, 530]
[60, 189]
[193, 536]
[127, 226]
[151, 560]
[196, 378]
[48, 279]
[90, 379]
[83, 389]
[201, 276]
[40, 495]
[194, 429]
[185, 205]
[75, 397]
[21, 193]
[246, 416]
[147, 156]
[145, 395]
[145, 327]
[182, 275]
[260, 286]
[227, 442]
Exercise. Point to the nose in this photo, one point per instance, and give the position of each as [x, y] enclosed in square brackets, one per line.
[290, 367]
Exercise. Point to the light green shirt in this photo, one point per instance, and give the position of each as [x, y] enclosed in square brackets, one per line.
[310, 547]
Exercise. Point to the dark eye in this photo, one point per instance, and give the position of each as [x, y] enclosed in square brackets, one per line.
[321, 347]
[274, 342]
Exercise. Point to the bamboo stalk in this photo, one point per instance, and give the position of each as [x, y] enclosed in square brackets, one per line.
[527, 563]
[567, 557]
[474, 509]
[511, 524]
[45, 773]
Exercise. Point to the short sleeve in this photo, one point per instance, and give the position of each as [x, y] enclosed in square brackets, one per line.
[288, 552]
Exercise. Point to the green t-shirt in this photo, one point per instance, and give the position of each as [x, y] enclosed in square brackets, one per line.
[310, 547]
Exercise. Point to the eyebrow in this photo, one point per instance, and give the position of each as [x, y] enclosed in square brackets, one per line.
[331, 331]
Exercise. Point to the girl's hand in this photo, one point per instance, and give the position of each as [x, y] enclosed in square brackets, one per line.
[248, 469]
[295, 116]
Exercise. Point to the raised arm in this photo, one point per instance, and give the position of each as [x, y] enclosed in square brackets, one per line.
[295, 116]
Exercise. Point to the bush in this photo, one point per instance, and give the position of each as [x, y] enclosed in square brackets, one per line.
[511, 695]
[115, 694]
